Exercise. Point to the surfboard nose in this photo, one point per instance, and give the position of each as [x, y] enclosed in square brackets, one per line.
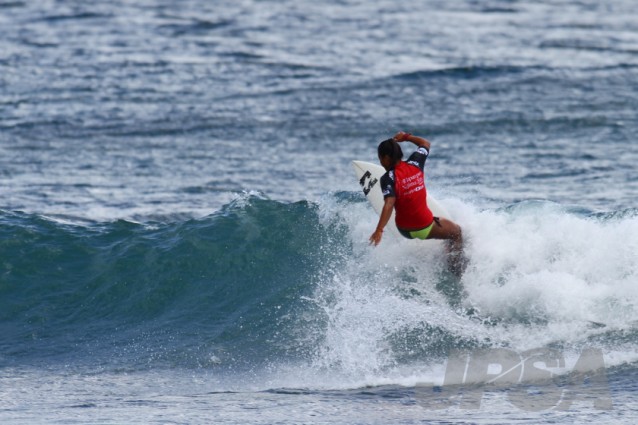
[361, 167]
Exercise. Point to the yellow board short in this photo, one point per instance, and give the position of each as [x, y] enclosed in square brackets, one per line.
[418, 234]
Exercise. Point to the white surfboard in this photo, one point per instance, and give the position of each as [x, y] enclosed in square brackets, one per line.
[369, 176]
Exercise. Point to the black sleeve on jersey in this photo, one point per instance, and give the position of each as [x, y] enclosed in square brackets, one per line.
[387, 184]
[418, 157]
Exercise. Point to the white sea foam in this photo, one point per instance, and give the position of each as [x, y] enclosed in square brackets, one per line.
[538, 276]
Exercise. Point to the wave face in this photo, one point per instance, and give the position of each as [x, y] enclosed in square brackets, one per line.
[167, 290]
[293, 291]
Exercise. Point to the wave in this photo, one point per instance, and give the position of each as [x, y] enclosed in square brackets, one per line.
[198, 26]
[75, 16]
[193, 283]
[613, 46]
[540, 274]
[467, 72]
[12, 4]
[293, 290]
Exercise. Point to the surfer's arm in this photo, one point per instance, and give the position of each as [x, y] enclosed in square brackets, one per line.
[407, 137]
[386, 213]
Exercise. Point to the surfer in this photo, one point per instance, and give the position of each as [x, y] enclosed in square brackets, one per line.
[403, 188]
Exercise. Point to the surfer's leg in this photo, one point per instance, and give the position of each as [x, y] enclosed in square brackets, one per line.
[448, 230]
[452, 233]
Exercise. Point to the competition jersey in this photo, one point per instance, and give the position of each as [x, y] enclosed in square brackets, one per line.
[406, 183]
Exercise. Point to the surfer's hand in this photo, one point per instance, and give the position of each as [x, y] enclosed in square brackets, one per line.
[401, 136]
[376, 237]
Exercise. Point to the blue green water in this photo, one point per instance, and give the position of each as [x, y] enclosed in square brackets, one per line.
[182, 239]
[177, 292]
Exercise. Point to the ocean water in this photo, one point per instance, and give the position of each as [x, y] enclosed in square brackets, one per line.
[183, 241]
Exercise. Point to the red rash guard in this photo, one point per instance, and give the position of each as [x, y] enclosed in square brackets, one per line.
[406, 183]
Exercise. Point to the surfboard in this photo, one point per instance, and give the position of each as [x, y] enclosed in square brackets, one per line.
[369, 177]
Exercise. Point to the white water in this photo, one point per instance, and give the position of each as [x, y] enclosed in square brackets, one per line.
[541, 275]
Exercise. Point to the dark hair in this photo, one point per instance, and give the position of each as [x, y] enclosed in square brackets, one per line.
[390, 148]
